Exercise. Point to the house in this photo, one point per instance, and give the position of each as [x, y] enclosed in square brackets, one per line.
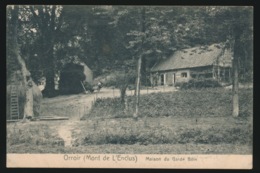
[86, 70]
[213, 61]
[73, 76]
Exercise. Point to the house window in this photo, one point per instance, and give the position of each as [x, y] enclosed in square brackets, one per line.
[184, 74]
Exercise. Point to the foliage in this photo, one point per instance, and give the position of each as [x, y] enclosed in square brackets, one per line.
[198, 84]
[11, 49]
[188, 103]
[105, 37]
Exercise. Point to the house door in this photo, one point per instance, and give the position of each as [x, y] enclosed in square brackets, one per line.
[173, 78]
[162, 79]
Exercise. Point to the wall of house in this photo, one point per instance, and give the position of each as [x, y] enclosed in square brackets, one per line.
[222, 74]
[180, 76]
[202, 72]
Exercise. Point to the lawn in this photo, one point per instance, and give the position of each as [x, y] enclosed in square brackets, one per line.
[185, 103]
[183, 122]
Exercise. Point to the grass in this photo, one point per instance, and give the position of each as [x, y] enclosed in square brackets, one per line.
[32, 134]
[184, 122]
[164, 135]
[166, 130]
[194, 117]
[188, 103]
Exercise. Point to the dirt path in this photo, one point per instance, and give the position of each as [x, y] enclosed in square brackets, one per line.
[75, 106]
[82, 106]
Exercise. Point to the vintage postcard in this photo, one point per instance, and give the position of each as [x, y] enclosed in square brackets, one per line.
[106, 86]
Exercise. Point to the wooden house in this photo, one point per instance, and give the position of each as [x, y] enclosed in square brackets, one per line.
[213, 61]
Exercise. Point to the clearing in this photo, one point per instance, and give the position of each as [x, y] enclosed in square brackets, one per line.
[148, 135]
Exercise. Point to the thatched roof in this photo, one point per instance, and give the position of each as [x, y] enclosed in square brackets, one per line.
[199, 56]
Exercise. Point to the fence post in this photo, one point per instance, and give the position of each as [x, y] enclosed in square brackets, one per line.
[113, 92]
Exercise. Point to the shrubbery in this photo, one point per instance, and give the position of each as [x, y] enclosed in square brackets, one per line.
[198, 84]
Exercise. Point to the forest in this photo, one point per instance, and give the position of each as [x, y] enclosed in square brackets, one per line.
[110, 38]
[127, 41]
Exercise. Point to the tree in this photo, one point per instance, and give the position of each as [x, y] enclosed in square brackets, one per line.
[139, 65]
[15, 62]
[150, 39]
[47, 22]
[103, 36]
[123, 79]
[237, 26]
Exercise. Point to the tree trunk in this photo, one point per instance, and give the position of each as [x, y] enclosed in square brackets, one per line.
[122, 94]
[139, 66]
[235, 98]
[28, 108]
[49, 90]
[27, 80]
[235, 89]
[126, 105]
[137, 91]
[49, 62]
[123, 97]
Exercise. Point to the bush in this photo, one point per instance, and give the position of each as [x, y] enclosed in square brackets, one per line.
[199, 84]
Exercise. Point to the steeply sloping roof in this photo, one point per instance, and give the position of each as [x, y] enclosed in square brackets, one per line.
[195, 57]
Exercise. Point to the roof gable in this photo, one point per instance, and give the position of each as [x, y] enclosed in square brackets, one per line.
[194, 57]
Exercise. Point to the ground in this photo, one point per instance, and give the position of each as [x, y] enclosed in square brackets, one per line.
[65, 136]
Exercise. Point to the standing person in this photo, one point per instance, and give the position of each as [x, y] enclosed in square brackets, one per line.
[99, 85]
